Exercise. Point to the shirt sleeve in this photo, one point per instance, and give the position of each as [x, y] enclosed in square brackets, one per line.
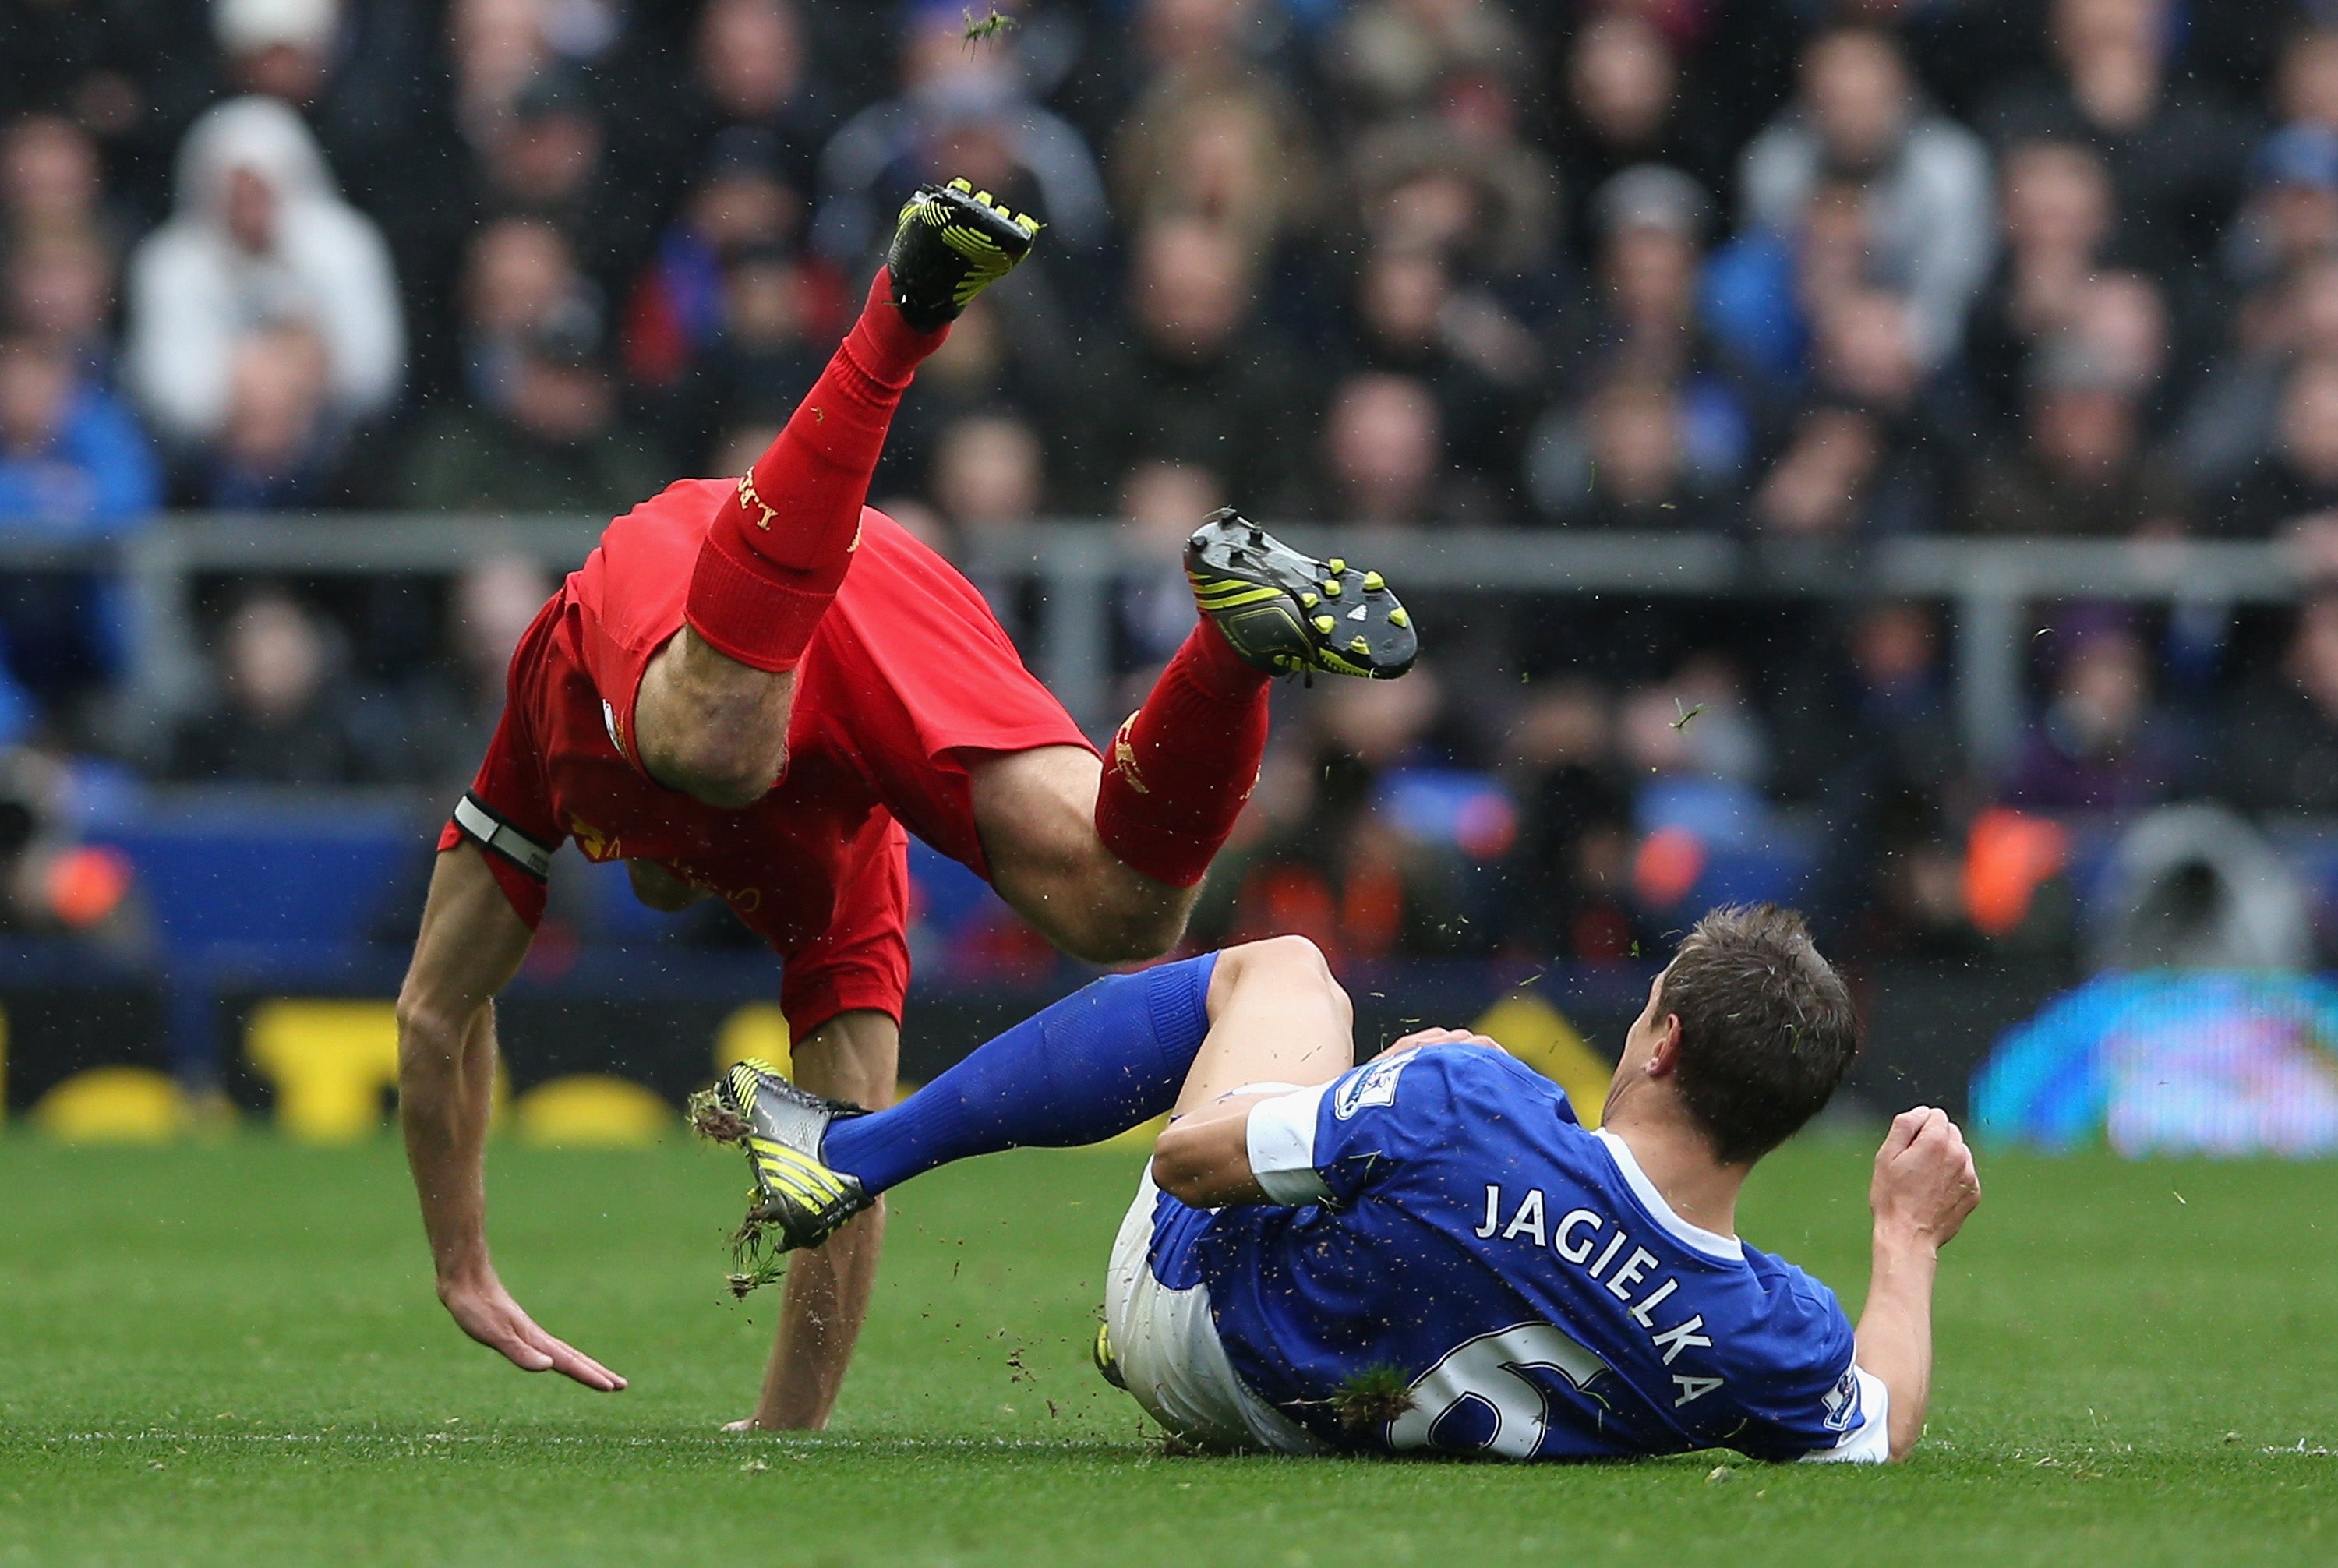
[1325, 1144]
[1867, 1438]
[1281, 1134]
[508, 814]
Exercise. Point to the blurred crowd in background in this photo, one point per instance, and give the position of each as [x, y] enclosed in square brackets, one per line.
[1769, 267]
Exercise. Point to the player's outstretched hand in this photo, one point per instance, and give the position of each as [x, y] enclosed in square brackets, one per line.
[486, 1312]
[1925, 1183]
[1421, 1037]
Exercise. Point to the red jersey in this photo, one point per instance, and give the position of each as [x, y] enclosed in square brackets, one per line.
[908, 676]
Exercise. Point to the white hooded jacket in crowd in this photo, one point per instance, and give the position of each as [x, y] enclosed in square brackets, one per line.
[195, 291]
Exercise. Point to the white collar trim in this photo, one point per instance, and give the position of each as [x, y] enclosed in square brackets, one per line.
[1711, 1243]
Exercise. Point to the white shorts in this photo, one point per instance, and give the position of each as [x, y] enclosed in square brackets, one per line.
[1168, 1352]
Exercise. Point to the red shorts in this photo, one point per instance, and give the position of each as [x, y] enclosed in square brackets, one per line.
[908, 677]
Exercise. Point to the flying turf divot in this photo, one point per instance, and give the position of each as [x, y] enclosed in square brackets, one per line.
[718, 1124]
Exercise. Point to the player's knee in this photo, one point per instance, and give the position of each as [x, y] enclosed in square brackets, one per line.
[720, 771]
[1297, 962]
[710, 727]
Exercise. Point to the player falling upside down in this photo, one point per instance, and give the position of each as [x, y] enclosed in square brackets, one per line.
[1429, 1252]
[715, 699]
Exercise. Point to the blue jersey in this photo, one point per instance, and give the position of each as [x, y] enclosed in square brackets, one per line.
[1441, 1213]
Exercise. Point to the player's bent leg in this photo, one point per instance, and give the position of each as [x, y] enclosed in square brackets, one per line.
[854, 1056]
[710, 727]
[1036, 811]
[1277, 1015]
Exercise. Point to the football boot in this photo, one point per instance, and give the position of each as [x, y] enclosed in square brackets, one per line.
[953, 241]
[1288, 613]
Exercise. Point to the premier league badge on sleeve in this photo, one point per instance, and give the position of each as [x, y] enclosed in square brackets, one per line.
[1842, 1402]
[1371, 1084]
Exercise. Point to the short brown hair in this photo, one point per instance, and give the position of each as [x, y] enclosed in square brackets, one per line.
[1767, 1027]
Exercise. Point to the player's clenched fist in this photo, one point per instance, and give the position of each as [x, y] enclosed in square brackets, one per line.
[1925, 1183]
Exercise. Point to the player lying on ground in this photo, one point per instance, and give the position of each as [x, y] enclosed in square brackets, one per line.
[1429, 1252]
[715, 701]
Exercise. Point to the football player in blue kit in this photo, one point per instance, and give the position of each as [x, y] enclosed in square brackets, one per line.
[1429, 1252]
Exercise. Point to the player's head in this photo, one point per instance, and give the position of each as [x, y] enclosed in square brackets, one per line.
[1749, 1027]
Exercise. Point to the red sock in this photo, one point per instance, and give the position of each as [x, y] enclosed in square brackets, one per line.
[1182, 765]
[776, 553]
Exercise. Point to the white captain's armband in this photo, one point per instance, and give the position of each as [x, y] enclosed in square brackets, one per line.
[483, 827]
[1859, 1407]
[1280, 1136]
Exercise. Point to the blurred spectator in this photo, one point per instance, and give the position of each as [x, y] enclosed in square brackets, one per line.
[1384, 454]
[550, 441]
[1476, 359]
[2299, 477]
[1568, 891]
[1880, 449]
[130, 76]
[1671, 422]
[1400, 56]
[1626, 461]
[1696, 755]
[495, 49]
[962, 111]
[1199, 383]
[442, 718]
[73, 465]
[521, 276]
[988, 474]
[749, 68]
[2305, 86]
[280, 447]
[2174, 152]
[57, 288]
[545, 158]
[2290, 215]
[1868, 743]
[280, 720]
[1163, 503]
[2279, 747]
[1924, 180]
[50, 181]
[260, 238]
[2099, 745]
[1332, 863]
[1212, 138]
[73, 462]
[277, 48]
[1489, 206]
[2231, 419]
[2082, 470]
[2058, 217]
[1622, 106]
[677, 309]
[1649, 222]
[1005, 355]
[764, 358]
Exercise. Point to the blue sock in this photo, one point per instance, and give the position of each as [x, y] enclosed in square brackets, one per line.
[1100, 1060]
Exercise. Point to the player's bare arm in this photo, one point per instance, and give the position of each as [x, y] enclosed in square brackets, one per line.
[471, 944]
[1924, 1188]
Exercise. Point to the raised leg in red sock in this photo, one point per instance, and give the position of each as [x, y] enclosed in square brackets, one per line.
[776, 552]
[1181, 767]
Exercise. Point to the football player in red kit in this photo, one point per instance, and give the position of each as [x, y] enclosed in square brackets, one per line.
[717, 702]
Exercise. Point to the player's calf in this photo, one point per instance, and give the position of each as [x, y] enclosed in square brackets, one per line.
[1036, 811]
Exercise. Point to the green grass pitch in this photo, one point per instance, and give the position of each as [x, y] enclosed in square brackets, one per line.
[230, 1354]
